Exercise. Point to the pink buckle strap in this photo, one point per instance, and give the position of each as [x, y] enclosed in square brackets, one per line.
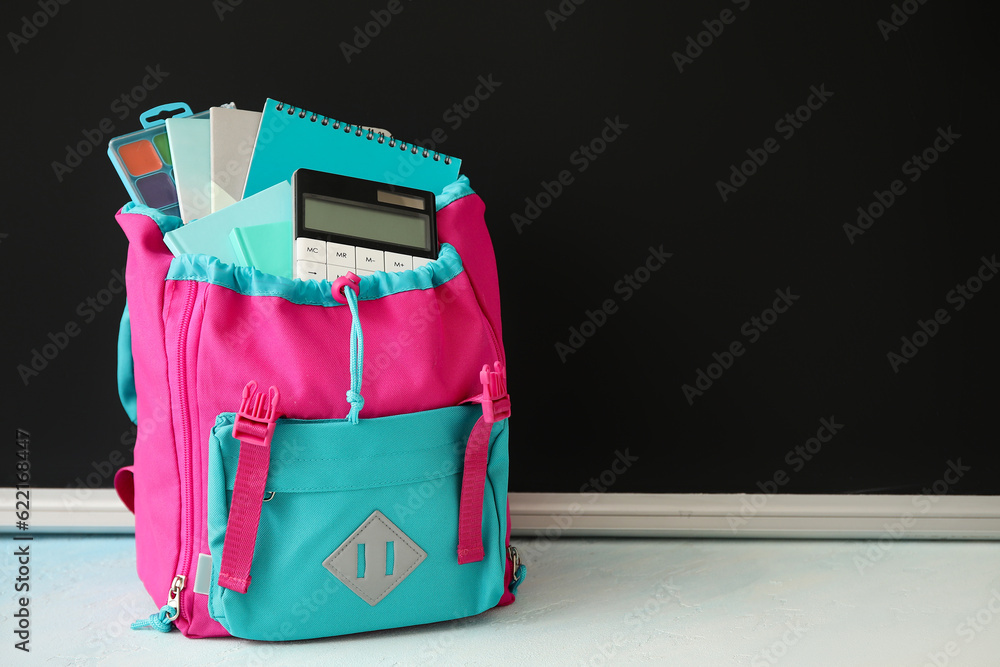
[254, 428]
[496, 406]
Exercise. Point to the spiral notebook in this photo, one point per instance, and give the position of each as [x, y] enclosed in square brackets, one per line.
[291, 138]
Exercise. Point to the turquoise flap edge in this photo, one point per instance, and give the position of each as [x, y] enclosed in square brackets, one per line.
[453, 192]
[166, 223]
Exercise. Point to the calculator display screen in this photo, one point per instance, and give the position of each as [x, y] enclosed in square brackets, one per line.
[362, 221]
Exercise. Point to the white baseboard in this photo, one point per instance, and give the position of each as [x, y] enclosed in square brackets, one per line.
[756, 516]
[70, 510]
[552, 515]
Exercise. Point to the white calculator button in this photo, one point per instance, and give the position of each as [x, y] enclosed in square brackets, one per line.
[311, 250]
[306, 270]
[333, 271]
[339, 254]
[420, 261]
[396, 262]
[370, 260]
[364, 272]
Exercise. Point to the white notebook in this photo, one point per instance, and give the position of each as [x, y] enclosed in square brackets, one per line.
[189, 150]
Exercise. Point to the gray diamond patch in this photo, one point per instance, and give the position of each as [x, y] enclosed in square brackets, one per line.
[375, 558]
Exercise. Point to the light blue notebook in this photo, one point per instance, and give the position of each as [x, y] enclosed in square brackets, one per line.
[264, 247]
[190, 142]
[210, 235]
[301, 139]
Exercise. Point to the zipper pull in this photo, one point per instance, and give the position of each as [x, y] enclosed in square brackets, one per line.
[173, 597]
[163, 620]
[519, 569]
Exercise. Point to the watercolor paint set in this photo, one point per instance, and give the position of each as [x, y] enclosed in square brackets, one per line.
[143, 160]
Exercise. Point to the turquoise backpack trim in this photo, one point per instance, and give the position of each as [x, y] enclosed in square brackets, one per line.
[325, 478]
[453, 192]
[126, 368]
[251, 282]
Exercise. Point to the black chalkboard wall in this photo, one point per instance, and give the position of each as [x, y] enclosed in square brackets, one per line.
[743, 245]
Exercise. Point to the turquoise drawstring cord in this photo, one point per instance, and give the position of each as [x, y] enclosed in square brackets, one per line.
[158, 621]
[354, 396]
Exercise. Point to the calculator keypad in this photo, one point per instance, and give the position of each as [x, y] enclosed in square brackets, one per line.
[396, 262]
[339, 254]
[311, 250]
[370, 260]
[307, 270]
[321, 260]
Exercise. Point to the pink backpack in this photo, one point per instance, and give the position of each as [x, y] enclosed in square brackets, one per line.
[317, 459]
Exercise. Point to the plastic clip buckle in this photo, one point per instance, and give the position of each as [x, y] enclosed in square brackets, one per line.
[496, 402]
[257, 415]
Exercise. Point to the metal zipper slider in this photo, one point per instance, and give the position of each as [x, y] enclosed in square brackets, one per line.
[519, 570]
[173, 597]
[163, 620]
[515, 560]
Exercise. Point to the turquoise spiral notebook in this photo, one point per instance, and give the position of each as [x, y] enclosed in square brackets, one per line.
[291, 138]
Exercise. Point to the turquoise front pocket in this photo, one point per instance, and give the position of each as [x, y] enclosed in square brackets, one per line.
[360, 527]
